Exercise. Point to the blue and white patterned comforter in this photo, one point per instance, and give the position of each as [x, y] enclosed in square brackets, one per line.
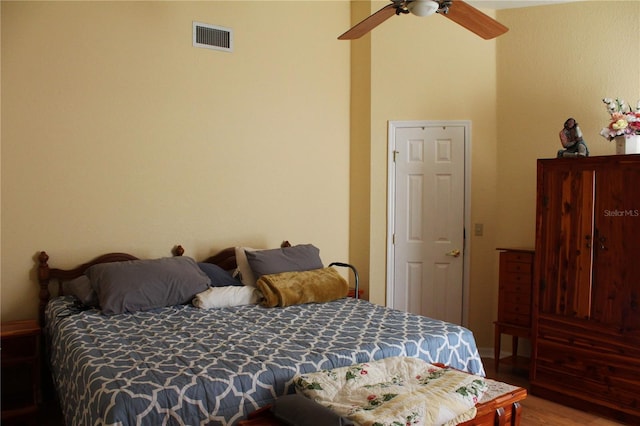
[185, 366]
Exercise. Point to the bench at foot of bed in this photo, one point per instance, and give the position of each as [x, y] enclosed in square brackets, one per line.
[499, 406]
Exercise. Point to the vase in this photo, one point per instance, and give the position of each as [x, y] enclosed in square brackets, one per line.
[627, 145]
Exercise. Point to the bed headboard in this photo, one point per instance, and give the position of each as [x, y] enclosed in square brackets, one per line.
[47, 276]
[226, 259]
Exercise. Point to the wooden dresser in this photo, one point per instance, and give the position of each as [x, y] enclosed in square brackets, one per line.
[586, 318]
[514, 302]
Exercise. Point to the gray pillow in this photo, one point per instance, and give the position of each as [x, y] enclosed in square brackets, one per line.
[140, 285]
[81, 289]
[219, 277]
[302, 257]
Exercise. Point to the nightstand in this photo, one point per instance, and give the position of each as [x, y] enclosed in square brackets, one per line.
[20, 358]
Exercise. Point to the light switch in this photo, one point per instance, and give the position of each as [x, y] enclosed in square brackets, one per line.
[478, 229]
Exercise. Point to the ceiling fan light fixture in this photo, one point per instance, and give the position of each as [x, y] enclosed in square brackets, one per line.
[423, 7]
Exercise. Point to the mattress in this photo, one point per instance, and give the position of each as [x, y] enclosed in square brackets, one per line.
[181, 365]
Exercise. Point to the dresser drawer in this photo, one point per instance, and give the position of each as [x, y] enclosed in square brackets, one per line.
[519, 268]
[589, 335]
[586, 372]
[517, 257]
[516, 308]
[521, 288]
[521, 320]
[519, 293]
[19, 347]
[510, 278]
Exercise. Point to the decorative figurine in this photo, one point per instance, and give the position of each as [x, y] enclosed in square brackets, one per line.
[571, 139]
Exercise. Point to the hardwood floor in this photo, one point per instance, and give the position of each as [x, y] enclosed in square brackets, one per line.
[537, 411]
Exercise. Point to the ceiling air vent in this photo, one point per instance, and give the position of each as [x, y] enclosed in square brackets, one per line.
[212, 37]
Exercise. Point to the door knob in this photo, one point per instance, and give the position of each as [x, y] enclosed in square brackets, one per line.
[454, 253]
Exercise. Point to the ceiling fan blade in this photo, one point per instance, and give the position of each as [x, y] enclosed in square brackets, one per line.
[369, 23]
[472, 19]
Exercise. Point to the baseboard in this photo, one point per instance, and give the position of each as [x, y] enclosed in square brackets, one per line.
[486, 353]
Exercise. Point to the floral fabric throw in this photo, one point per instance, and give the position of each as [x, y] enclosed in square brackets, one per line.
[395, 391]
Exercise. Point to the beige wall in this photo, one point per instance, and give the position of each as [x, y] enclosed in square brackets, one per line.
[118, 135]
[557, 62]
[115, 138]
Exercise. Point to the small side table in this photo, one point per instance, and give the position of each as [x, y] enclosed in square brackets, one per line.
[20, 359]
[515, 295]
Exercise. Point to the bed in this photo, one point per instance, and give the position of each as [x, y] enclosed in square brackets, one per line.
[182, 365]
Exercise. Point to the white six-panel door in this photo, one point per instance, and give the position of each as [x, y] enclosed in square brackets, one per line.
[427, 207]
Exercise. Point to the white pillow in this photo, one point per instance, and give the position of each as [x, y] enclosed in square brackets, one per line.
[243, 267]
[222, 297]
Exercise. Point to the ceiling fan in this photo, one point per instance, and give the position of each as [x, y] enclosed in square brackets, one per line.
[457, 10]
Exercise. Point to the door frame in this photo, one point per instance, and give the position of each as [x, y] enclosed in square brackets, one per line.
[391, 208]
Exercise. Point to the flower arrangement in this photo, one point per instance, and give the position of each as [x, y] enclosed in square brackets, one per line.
[624, 120]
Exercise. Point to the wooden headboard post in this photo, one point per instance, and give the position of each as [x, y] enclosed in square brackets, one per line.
[43, 280]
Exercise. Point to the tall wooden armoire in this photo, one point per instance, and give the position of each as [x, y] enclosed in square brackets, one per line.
[586, 298]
